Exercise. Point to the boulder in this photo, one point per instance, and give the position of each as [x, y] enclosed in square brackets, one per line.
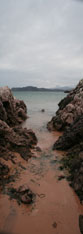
[23, 194]
[13, 111]
[70, 108]
[73, 135]
[43, 110]
[69, 118]
[17, 139]
[13, 138]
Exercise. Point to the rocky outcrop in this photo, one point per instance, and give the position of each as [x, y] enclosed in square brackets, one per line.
[23, 194]
[14, 139]
[70, 108]
[81, 223]
[72, 142]
[69, 118]
[12, 111]
[72, 136]
[17, 140]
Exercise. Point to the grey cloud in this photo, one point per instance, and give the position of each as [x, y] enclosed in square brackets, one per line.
[41, 42]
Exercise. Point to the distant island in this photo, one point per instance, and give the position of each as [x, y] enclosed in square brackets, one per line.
[33, 88]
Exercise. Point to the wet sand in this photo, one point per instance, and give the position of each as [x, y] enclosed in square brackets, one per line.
[56, 208]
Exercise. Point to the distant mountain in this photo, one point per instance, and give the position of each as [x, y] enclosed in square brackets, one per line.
[65, 88]
[32, 88]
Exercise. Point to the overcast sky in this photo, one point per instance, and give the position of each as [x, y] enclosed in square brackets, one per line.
[41, 42]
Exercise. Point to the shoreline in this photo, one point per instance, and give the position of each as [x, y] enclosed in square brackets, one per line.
[41, 173]
[41, 179]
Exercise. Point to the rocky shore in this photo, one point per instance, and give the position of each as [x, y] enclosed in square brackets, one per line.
[14, 140]
[69, 119]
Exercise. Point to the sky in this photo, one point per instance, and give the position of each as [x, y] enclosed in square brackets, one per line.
[41, 42]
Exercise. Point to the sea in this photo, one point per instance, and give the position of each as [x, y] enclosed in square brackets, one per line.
[35, 102]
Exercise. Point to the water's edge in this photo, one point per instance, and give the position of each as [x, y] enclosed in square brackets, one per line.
[56, 208]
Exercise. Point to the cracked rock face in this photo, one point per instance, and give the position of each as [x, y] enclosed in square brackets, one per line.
[13, 138]
[16, 140]
[69, 118]
[72, 142]
[12, 111]
[73, 135]
[70, 108]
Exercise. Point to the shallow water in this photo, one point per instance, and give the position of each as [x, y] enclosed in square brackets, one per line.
[36, 101]
[56, 208]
